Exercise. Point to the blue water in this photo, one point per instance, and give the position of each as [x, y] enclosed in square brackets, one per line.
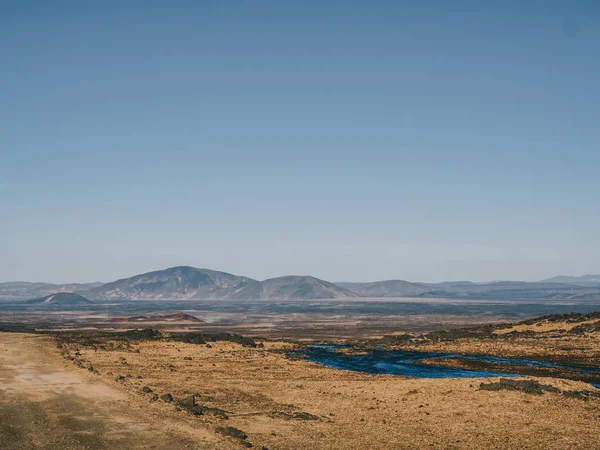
[407, 363]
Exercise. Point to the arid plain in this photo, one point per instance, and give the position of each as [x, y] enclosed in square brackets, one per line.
[163, 389]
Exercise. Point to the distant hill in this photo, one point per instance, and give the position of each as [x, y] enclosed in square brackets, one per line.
[464, 290]
[390, 288]
[176, 283]
[185, 283]
[302, 287]
[62, 299]
[584, 279]
[177, 317]
[22, 290]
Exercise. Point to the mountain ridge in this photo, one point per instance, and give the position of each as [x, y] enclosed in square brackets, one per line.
[190, 283]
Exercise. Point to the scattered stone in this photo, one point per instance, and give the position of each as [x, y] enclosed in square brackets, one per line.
[146, 390]
[187, 358]
[187, 402]
[167, 398]
[233, 432]
[154, 398]
[221, 414]
[208, 346]
[295, 415]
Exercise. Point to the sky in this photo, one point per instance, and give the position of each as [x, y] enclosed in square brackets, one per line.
[352, 141]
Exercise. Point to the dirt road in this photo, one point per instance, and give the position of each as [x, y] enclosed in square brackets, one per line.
[47, 403]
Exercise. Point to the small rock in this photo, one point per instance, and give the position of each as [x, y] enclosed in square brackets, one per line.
[146, 390]
[233, 432]
[167, 398]
[187, 358]
[187, 402]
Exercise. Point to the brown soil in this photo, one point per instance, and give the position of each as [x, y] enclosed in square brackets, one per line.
[278, 403]
[46, 402]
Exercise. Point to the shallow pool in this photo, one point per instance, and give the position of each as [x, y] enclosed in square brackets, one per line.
[408, 363]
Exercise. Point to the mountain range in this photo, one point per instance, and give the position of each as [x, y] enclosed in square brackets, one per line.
[189, 283]
[186, 283]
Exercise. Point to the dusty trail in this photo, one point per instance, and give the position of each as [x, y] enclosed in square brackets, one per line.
[47, 403]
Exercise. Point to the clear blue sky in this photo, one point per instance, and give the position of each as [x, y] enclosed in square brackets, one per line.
[348, 140]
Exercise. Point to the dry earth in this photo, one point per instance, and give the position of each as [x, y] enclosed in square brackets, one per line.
[48, 403]
[287, 404]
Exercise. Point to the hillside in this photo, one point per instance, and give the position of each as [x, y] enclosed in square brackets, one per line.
[301, 287]
[390, 288]
[62, 299]
[176, 283]
[464, 290]
[22, 290]
[186, 283]
[583, 280]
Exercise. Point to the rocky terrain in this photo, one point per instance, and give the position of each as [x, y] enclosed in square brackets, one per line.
[224, 390]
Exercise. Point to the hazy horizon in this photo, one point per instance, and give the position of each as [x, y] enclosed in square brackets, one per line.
[292, 274]
[366, 141]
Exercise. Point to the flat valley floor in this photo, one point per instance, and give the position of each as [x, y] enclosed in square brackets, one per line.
[107, 393]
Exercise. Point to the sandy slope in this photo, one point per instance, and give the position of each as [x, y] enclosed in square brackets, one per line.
[48, 403]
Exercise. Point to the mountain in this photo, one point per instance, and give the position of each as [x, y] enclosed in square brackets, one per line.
[189, 283]
[62, 299]
[22, 290]
[186, 283]
[584, 279]
[301, 287]
[390, 288]
[176, 283]
[464, 290]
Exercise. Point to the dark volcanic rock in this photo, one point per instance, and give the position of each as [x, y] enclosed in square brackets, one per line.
[295, 416]
[525, 386]
[215, 412]
[582, 395]
[167, 398]
[187, 402]
[146, 390]
[233, 432]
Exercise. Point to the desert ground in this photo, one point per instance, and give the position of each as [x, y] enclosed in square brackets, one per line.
[158, 390]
